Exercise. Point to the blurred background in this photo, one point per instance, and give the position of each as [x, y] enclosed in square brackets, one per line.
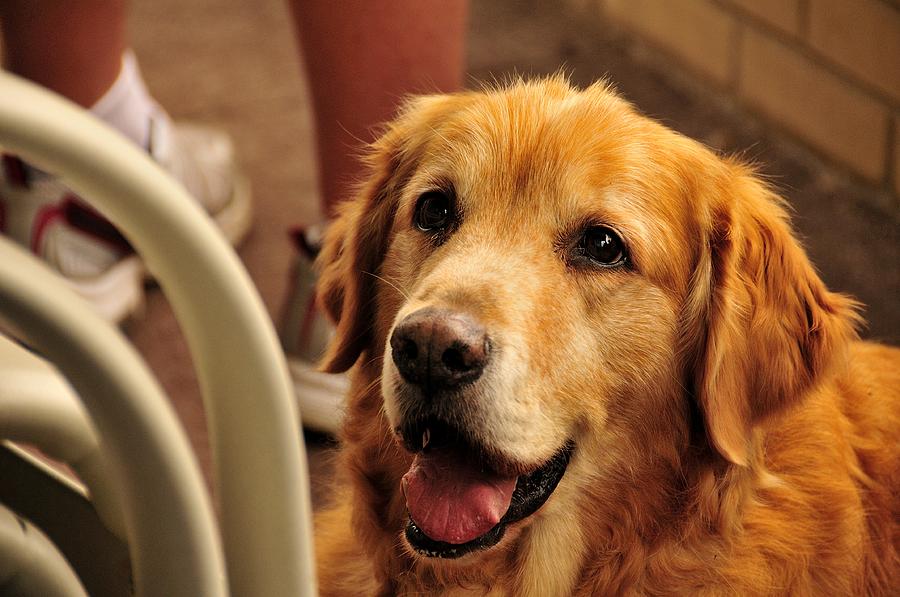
[808, 89]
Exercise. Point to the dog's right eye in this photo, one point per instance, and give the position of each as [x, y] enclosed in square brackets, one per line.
[434, 211]
[603, 246]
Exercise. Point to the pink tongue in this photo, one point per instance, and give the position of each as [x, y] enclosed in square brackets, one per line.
[451, 499]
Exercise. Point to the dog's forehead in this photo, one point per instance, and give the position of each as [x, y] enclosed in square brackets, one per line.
[523, 143]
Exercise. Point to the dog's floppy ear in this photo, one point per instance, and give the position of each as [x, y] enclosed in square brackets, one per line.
[767, 325]
[356, 241]
[351, 255]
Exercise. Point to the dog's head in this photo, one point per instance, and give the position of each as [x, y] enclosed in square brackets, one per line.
[555, 282]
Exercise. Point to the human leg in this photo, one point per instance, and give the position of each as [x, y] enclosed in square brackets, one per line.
[73, 48]
[361, 60]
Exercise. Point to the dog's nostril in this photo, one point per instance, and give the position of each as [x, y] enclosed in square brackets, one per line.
[455, 360]
[409, 350]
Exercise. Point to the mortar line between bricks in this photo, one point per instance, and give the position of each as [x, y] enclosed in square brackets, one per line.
[889, 155]
[737, 54]
[799, 45]
[803, 12]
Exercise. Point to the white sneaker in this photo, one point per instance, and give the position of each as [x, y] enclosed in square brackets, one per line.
[304, 335]
[203, 159]
[41, 213]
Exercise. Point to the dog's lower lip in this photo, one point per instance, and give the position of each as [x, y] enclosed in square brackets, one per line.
[532, 491]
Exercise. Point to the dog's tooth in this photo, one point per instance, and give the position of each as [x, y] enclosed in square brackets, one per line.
[426, 437]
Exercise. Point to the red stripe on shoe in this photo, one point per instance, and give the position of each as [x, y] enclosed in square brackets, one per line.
[84, 218]
[45, 216]
[80, 217]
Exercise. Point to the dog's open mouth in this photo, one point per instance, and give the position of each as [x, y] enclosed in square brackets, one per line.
[456, 499]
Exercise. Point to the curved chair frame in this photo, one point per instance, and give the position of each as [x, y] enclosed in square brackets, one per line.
[31, 564]
[40, 409]
[254, 427]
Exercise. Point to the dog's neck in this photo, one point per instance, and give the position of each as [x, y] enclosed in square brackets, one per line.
[652, 521]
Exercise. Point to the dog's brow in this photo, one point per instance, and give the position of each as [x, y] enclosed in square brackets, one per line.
[438, 134]
[622, 211]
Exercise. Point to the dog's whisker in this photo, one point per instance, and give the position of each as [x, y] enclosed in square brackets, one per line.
[389, 283]
[372, 385]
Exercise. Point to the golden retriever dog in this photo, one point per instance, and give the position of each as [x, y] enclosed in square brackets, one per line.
[589, 358]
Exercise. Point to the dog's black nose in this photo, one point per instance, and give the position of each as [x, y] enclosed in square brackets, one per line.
[438, 349]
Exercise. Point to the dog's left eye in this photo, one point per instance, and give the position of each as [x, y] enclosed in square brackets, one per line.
[434, 211]
[602, 245]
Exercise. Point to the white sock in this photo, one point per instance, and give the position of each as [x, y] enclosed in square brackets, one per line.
[127, 106]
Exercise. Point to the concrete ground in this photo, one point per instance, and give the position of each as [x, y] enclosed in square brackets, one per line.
[233, 63]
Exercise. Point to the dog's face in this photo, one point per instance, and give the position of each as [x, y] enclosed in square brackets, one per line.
[536, 295]
[544, 265]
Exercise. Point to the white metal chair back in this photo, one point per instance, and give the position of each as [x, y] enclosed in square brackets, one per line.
[260, 466]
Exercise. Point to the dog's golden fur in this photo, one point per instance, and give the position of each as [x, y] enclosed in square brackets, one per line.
[733, 436]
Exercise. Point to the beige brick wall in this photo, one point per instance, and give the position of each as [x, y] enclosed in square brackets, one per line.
[862, 36]
[827, 71]
[697, 31]
[897, 155]
[814, 104]
[782, 14]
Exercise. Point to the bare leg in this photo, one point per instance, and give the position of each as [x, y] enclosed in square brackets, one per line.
[362, 58]
[74, 48]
